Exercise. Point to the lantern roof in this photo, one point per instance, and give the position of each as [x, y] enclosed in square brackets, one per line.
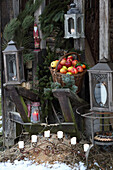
[11, 47]
[73, 9]
[103, 65]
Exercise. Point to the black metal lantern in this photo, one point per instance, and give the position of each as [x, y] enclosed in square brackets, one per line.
[13, 64]
[101, 86]
[74, 23]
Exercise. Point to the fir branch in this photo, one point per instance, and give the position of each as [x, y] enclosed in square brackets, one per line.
[28, 56]
[18, 29]
[54, 23]
[30, 8]
[26, 42]
[10, 29]
[27, 22]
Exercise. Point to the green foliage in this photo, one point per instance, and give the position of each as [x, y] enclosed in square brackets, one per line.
[27, 57]
[87, 66]
[10, 29]
[27, 22]
[68, 80]
[30, 8]
[44, 83]
[55, 85]
[52, 20]
[18, 29]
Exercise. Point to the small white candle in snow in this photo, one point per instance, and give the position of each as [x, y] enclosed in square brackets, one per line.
[86, 147]
[21, 144]
[60, 134]
[73, 141]
[34, 138]
[47, 134]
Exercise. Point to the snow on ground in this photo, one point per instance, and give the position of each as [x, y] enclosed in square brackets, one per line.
[29, 165]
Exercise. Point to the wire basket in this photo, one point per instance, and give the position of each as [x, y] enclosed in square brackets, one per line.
[57, 76]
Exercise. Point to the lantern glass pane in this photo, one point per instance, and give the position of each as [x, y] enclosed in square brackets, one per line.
[100, 94]
[35, 115]
[100, 90]
[21, 66]
[79, 25]
[11, 67]
[71, 28]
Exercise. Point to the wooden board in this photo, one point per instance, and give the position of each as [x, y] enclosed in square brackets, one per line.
[41, 127]
[28, 94]
[65, 96]
[104, 29]
[18, 102]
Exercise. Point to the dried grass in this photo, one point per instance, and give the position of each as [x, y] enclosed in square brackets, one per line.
[61, 151]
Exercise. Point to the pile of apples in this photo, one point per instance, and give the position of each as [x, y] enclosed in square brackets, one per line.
[68, 66]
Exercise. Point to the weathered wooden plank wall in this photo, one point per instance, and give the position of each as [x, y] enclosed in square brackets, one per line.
[104, 39]
[6, 15]
[36, 15]
[111, 31]
[9, 133]
[0, 30]
[15, 8]
[92, 27]
[79, 44]
[7, 12]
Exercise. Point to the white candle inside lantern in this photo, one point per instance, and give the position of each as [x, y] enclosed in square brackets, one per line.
[60, 134]
[73, 141]
[47, 134]
[86, 147]
[21, 144]
[34, 138]
[72, 31]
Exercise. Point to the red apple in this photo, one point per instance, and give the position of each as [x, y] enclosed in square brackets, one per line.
[70, 57]
[74, 62]
[59, 67]
[63, 61]
[74, 70]
[79, 68]
[68, 63]
[69, 69]
[63, 71]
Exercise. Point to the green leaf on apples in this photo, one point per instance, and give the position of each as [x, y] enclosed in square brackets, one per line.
[78, 64]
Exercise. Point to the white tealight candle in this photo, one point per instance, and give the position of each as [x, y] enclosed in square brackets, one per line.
[73, 141]
[21, 144]
[34, 138]
[47, 134]
[60, 134]
[86, 147]
[72, 31]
